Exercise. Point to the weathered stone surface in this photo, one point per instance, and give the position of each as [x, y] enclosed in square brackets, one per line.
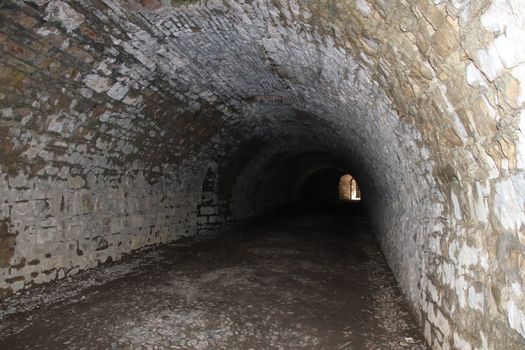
[62, 12]
[140, 123]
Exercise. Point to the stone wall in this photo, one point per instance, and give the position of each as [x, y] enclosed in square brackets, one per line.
[92, 163]
[130, 123]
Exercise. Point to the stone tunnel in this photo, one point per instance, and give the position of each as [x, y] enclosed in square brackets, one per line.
[127, 124]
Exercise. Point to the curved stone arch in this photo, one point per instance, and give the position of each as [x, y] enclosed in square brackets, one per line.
[147, 103]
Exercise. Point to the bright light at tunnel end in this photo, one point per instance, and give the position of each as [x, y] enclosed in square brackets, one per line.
[349, 189]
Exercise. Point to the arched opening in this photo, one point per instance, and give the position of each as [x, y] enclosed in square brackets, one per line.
[330, 190]
[131, 123]
[349, 189]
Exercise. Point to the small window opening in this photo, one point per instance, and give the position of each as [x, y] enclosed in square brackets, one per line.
[348, 189]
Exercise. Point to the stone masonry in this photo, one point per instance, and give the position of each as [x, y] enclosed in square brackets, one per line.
[125, 124]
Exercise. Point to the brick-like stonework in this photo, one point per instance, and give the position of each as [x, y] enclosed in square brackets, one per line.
[128, 123]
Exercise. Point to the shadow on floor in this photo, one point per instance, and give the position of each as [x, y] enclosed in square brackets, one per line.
[305, 279]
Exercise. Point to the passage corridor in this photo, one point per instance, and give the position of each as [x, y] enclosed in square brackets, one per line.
[297, 282]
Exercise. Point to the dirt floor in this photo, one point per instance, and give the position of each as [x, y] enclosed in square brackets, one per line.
[301, 282]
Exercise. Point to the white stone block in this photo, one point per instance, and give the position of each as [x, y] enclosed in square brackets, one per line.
[97, 83]
[474, 77]
[489, 62]
[59, 11]
[508, 202]
[520, 146]
[118, 91]
[497, 17]
[519, 74]
[510, 47]
[516, 317]
[364, 7]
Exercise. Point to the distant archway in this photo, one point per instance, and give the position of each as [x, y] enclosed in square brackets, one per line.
[349, 189]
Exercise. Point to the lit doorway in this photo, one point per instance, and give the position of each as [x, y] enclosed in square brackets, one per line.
[348, 189]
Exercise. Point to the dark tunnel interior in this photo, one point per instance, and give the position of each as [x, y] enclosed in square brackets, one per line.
[262, 174]
[321, 186]
[330, 191]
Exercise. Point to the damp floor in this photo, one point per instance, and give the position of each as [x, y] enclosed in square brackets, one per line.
[299, 282]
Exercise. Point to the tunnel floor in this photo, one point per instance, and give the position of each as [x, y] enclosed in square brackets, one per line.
[300, 282]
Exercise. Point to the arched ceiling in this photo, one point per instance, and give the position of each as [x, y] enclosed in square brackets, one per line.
[191, 101]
